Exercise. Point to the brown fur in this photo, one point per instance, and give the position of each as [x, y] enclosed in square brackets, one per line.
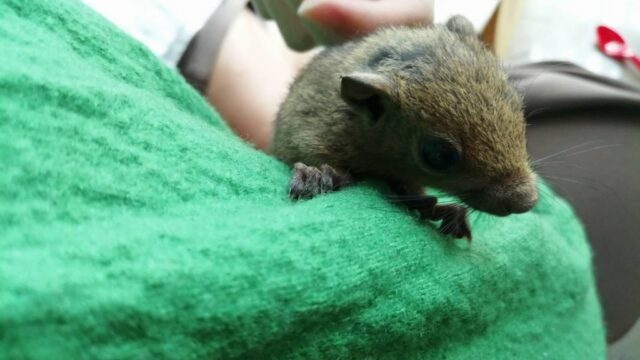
[438, 81]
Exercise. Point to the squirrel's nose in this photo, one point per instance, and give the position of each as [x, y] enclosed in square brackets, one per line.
[523, 205]
[521, 198]
[506, 198]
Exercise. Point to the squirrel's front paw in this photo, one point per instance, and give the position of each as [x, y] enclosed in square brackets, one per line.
[454, 221]
[309, 181]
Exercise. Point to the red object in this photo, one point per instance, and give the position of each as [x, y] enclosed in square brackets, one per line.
[613, 45]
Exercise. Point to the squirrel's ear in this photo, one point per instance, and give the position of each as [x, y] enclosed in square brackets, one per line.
[368, 94]
[461, 26]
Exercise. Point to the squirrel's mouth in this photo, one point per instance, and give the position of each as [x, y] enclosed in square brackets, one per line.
[503, 199]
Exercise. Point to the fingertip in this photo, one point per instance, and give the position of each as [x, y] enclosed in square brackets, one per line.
[340, 17]
[352, 18]
[306, 6]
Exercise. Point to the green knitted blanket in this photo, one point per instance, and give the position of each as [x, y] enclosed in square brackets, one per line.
[135, 225]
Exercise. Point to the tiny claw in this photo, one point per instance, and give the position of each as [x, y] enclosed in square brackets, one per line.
[309, 181]
[454, 221]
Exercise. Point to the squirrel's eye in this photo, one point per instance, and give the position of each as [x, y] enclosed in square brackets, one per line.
[438, 154]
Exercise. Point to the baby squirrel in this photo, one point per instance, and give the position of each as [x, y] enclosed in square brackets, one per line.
[417, 107]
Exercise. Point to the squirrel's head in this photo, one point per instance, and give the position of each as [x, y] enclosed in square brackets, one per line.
[443, 114]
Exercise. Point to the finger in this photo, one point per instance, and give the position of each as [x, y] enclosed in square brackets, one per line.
[350, 18]
[295, 34]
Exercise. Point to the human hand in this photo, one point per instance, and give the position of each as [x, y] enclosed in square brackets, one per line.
[307, 23]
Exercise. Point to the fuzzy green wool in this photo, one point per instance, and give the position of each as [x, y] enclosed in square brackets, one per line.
[135, 225]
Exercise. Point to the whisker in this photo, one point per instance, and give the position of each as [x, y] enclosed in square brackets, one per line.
[542, 165]
[535, 112]
[405, 200]
[398, 196]
[593, 149]
[547, 196]
[552, 177]
[565, 151]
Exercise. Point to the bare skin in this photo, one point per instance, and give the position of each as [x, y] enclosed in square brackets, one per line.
[308, 23]
[254, 56]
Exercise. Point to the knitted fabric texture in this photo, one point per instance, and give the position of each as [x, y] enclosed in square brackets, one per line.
[134, 224]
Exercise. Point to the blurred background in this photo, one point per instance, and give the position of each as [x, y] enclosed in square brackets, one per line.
[565, 30]
[526, 31]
